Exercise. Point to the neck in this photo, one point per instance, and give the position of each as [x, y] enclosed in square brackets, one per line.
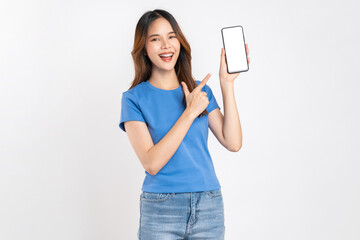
[164, 79]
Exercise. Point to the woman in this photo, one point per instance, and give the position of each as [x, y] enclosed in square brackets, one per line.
[166, 115]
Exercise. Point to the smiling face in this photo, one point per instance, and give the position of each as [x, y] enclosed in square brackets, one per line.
[161, 42]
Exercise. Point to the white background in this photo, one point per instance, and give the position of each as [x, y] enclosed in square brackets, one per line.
[67, 170]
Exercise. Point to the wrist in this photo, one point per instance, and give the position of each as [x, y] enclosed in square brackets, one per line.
[189, 114]
[226, 84]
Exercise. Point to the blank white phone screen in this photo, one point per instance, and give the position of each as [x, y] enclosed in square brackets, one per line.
[234, 45]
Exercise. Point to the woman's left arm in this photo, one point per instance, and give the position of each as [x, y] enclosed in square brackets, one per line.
[227, 127]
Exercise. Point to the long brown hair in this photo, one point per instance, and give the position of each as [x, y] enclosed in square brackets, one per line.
[142, 63]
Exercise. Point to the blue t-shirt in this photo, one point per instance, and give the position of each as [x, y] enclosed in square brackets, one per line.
[190, 169]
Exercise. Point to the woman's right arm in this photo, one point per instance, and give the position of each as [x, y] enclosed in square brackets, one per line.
[154, 157]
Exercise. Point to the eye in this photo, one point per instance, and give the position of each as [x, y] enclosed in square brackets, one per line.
[154, 39]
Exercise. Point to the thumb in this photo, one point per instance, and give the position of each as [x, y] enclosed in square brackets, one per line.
[185, 88]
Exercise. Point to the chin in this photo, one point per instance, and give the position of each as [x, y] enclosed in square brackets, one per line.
[166, 68]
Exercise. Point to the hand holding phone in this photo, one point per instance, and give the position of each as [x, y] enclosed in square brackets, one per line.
[235, 50]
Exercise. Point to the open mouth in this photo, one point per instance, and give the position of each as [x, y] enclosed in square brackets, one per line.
[166, 57]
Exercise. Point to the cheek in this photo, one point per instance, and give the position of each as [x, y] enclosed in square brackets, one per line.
[177, 43]
[151, 48]
[178, 50]
[178, 46]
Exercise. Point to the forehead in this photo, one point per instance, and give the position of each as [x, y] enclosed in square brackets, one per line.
[160, 26]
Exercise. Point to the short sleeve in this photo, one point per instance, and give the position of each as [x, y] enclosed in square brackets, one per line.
[212, 100]
[130, 110]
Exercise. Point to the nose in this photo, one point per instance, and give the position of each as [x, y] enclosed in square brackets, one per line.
[165, 44]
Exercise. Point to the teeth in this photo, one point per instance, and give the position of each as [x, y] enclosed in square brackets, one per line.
[166, 55]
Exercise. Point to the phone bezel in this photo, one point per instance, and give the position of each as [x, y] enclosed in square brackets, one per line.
[222, 35]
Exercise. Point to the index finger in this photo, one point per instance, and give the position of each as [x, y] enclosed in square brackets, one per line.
[204, 81]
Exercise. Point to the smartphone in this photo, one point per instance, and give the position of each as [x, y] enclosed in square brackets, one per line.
[235, 51]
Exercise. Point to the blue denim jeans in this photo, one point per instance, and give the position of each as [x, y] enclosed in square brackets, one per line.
[185, 216]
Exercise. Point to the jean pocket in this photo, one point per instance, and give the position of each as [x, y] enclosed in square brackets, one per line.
[214, 193]
[155, 197]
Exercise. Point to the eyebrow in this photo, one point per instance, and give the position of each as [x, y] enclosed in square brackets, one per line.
[158, 34]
